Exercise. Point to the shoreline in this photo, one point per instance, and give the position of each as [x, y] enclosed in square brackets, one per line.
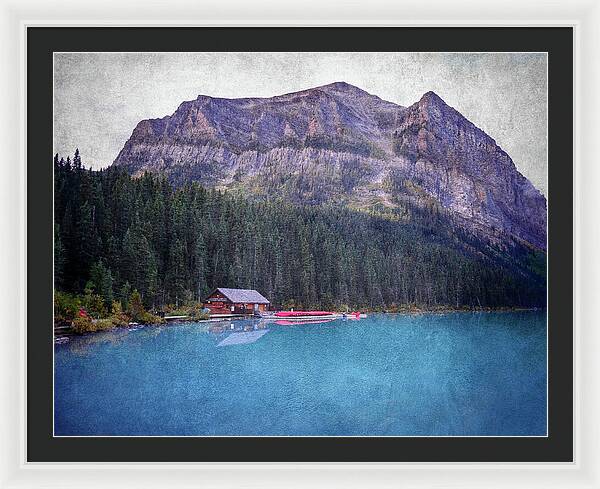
[408, 311]
[445, 309]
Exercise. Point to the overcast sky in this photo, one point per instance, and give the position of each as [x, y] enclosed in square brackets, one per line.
[100, 97]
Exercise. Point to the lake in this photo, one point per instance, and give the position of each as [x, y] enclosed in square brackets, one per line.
[480, 373]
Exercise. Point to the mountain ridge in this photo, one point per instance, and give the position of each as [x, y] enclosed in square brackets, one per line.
[338, 142]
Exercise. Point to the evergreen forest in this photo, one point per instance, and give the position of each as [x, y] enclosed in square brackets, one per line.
[114, 234]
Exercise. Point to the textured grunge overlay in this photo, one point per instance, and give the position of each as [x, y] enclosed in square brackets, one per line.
[100, 97]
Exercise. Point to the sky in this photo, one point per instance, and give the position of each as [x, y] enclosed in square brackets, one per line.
[100, 97]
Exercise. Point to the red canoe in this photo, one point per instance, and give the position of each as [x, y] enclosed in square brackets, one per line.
[296, 314]
[288, 322]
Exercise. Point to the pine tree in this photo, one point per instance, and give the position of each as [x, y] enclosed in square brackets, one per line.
[59, 258]
[77, 160]
[116, 233]
[136, 307]
[101, 278]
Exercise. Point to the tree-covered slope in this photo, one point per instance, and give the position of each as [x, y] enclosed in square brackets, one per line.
[115, 233]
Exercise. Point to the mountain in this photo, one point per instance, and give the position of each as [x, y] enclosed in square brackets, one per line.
[338, 143]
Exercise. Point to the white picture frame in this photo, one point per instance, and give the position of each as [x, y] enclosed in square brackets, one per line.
[16, 16]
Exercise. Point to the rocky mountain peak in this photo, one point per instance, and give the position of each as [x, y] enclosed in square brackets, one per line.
[341, 85]
[433, 109]
[431, 98]
[338, 142]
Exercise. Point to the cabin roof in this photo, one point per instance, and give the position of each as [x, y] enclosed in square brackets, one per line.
[243, 295]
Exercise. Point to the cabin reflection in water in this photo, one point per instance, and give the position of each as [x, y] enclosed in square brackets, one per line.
[243, 337]
[244, 333]
[239, 333]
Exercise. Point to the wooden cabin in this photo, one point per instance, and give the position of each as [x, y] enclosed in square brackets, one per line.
[236, 301]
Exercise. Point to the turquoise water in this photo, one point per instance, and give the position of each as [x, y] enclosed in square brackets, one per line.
[446, 374]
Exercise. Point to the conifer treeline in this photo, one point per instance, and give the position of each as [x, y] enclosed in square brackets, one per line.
[115, 233]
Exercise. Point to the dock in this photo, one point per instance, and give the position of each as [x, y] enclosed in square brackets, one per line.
[175, 318]
[227, 316]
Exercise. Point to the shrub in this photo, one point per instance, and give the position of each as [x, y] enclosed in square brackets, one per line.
[103, 324]
[86, 325]
[83, 325]
[118, 317]
[148, 318]
[137, 312]
[116, 308]
[94, 304]
[120, 321]
[196, 311]
[66, 307]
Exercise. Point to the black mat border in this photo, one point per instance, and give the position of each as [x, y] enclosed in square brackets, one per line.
[41, 446]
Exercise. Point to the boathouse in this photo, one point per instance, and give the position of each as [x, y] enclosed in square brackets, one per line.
[236, 301]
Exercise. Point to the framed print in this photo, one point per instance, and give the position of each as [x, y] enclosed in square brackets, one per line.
[301, 245]
[302, 262]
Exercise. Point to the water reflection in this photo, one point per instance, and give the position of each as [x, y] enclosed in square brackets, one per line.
[287, 322]
[243, 337]
[84, 344]
[225, 333]
[239, 332]
[225, 326]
